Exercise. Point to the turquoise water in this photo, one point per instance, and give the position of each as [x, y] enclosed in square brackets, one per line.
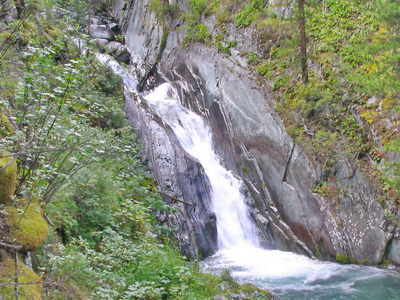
[297, 277]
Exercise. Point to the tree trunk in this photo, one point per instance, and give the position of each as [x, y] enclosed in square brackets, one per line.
[16, 286]
[20, 6]
[303, 43]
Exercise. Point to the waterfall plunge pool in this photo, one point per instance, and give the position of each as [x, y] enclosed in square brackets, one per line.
[296, 277]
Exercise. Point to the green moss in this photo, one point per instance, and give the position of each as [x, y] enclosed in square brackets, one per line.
[245, 170]
[28, 228]
[26, 291]
[6, 128]
[345, 259]
[8, 178]
[365, 261]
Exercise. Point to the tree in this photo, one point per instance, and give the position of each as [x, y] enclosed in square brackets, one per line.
[303, 42]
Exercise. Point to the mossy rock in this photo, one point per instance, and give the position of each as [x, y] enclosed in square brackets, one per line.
[345, 259]
[6, 127]
[26, 291]
[28, 228]
[253, 292]
[8, 178]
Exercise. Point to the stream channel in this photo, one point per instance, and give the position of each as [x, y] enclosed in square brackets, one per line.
[289, 275]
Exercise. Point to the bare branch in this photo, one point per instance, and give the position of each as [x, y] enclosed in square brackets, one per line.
[175, 199]
[7, 164]
[44, 282]
[14, 247]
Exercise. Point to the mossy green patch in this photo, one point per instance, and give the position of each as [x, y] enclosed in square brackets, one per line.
[254, 292]
[28, 228]
[8, 177]
[6, 127]
[345, 259]
[26, 291]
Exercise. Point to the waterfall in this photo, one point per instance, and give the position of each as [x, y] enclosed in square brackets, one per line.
[290, 275]
[234, 226]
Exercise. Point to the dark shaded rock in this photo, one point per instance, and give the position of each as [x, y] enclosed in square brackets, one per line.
[119, 51]
[393, 251]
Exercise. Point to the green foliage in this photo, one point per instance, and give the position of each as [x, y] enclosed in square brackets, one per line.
[164, 11]
[226, 275]
[222, 46]
[199, 33]
[390, 215]
[196, 32]
[391, 177]
[149, 270]
[389, 12]
[343, 258]
[34, 6]
[198, 6]
[253, 60]
[251, 12]
[61, 117]
[114, 192]
[245, 170]
[242, 18]
[351, 61]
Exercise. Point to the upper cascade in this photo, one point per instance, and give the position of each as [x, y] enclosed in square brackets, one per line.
[235, 228]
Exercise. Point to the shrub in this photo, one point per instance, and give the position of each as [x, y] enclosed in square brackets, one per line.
[242, 19]
[198, 6]
[197, 34]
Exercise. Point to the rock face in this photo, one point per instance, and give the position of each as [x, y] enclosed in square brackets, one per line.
[179, 177]
[252, 141]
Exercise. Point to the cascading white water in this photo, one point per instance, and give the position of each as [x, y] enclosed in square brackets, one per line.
[291, 275]
[235, 229]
